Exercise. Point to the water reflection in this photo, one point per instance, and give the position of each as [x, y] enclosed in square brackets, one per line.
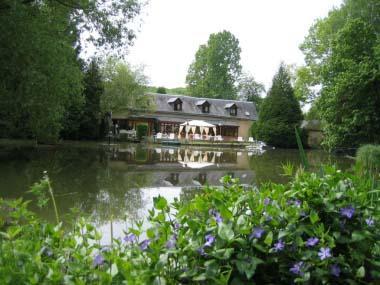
[120, 181]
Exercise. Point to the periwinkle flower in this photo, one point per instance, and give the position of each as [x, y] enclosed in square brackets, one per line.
[279, 246]
[216, 214]
[297, 268]
[297, 202]
[201, 251]
[144, 244]
[347, 212]
[335, 270]
[177, 226]
[130, 238]
[370, 221]
[257, 233]
[171, 243]
[209, 240]
[98, 260]
[312, 241]
[324, 253]
[266, 201]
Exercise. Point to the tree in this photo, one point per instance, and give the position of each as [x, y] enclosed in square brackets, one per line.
[40, 74]
[124, 88]
[342, 60]
[280, 113]
[93, 91]
[216, 68]
[161, 90]
[250, 90]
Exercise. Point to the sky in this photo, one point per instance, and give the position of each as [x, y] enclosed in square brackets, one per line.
[269, 31]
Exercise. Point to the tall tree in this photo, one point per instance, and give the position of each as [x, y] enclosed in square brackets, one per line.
[93, 91]
[280, 113]
[40, 77]
[250, 90]
[124, 88]
[216, 68]
[342, 59]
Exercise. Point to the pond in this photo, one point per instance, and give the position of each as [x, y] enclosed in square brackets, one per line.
[119, 181]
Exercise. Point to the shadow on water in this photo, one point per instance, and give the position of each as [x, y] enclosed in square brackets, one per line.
[121, 180]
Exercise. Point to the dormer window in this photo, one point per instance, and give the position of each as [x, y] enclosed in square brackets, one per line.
[232, 108]
[177, 103]
[178, 106]
[204, 105]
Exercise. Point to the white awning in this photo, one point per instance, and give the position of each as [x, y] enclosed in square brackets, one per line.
[198, 123]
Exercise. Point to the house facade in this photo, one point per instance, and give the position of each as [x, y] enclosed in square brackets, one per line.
[232, 118]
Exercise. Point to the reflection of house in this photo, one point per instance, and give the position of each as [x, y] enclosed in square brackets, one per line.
[232, 118]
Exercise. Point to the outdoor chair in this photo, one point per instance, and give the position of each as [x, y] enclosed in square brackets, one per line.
[171, 136]
[250, 139]
[159, 136]
[197, 137]
[240, 139]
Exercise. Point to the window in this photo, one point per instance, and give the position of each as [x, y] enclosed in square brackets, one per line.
[178, 106]
[205, 108]
[233, 111]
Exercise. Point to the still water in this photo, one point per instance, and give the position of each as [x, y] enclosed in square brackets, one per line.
[120, 181]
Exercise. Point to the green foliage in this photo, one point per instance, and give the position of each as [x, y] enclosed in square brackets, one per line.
[250, 90]
[141, 131]
[216, 68]
[161, 90]
[313, 230]
[41, 83]
[368, 160]
[93, 91]
[123, 88]
[341, 53]
[279, 114]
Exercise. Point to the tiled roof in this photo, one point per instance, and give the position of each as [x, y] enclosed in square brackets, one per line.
[191, 105]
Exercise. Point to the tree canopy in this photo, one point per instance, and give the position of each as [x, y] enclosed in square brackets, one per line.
[343, 62]
[216, 68]
[40, 72]
[280, 113]
[124, 88]
[250, 90]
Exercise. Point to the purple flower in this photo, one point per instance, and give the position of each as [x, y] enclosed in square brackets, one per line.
[98, 260]
[297, 268]
[257, 233]
[144, 244]
[297, 202]
[370, 221]
[266, 201]
[130, 238]
[170, 244]
[201, 251]
[312, 241]
[278, 246]
[324, 253]
[335, 270]
[216, 214]
[177, 226]
[347, 212]
[209, 240]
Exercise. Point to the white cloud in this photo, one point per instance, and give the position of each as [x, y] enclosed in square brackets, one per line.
[269, 32]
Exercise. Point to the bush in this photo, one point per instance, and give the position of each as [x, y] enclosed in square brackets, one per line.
[315, 230]
[141, 131]
[368, 159]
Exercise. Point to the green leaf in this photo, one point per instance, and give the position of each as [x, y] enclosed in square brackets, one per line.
[357, 236]
[268, 239]
[314, 217]
[360, 273]
[160, 203]
[225, 232]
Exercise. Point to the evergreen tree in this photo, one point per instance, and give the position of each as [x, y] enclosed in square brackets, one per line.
[93, 90]
[280, 113]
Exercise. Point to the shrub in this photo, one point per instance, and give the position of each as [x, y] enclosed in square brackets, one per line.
[368, 159]
[317, 229]
[141, 131]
